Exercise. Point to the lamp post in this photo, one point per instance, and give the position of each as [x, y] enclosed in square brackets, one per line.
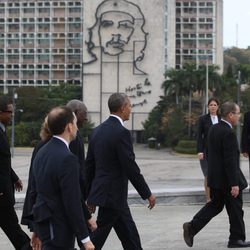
[206, 91]
[14, 97]
[238, 81]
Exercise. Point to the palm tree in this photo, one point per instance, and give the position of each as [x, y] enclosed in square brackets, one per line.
[173, 84]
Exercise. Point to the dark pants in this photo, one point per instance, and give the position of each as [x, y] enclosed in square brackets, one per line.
[50, 246]
[215, 206]
[10, 226]
[123, 224]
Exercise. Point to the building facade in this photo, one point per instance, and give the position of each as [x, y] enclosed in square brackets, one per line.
[40, 42]
[196, 27]
[44, 42]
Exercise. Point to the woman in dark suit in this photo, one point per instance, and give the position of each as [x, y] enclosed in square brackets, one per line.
[204, 124]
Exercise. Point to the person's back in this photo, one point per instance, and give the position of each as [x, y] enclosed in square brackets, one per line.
[57, 212]
[50, 169]
[110, 164]
[223, 156]
[111, 181]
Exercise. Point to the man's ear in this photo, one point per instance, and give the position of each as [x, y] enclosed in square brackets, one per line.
[122, 108]
[69, 127]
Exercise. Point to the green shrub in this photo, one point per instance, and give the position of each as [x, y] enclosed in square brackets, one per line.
[186, 147]
[25, 133]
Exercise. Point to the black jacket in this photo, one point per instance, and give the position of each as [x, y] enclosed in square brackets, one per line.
[245, 137]
[57, 208]
[223, 158]
[203, 125]
[110, 164]
[7, 175]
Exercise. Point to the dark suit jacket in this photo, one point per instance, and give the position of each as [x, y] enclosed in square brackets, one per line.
[203, 125]
[7, 175]
[110, 164]
[30, 197]
[223, 158]
[55, 181]
[77, 148]
[245, 137]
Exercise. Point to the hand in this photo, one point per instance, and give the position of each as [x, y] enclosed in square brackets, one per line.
[245, 154]
[151, 201]
[235, 191]
[91, 208]
[88, 246]
[35, 242]
[19, 185]
[92, 224]
[200, 156]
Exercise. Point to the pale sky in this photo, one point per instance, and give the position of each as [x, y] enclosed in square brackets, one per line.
[236, 13]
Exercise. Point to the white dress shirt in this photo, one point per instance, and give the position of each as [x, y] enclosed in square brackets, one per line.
[214, 119]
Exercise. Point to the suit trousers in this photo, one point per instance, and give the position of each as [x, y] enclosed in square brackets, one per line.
[50, 246]
[10, 226]
[215, 206]
[122, 222]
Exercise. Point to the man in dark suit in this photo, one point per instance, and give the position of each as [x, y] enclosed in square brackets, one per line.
[57, 212]
[245, 137]
[77, 148]
[225, 179]
[8, 182]
[110, 164]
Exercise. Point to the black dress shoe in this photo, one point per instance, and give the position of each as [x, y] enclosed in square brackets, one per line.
[238, 243]
[187, 234]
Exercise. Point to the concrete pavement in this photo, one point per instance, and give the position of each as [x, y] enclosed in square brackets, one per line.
[177, 182]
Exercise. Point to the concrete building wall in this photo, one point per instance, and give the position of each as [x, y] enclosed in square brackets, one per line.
[135, 66]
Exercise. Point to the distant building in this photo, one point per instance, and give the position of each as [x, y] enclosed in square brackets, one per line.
[40, 42]
[129, 45]
[193, 32]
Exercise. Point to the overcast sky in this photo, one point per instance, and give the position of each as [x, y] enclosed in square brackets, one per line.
[236, 13]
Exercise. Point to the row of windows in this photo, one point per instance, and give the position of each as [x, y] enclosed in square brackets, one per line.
[41, 20]
[40, 4]
[193, 51]
[74, 27]
[193, 4]
[194, 20]
[192, 35]
[191, 11]
[76, 67]
[60, 58]
[42, 11]
[32, 51]
[194, 26]
[20, 35]
[39, 82]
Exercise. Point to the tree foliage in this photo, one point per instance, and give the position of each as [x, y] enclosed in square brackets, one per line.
[33, 103]
[174, 118]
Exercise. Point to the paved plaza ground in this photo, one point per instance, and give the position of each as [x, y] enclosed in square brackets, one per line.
[177, 182]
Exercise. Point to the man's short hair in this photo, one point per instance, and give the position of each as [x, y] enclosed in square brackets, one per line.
[59, 118]
[226, 108]
[116, 101]
[4, 102]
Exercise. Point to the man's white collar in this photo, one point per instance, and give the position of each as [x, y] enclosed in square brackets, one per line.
[119, 118]
[63, 140]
